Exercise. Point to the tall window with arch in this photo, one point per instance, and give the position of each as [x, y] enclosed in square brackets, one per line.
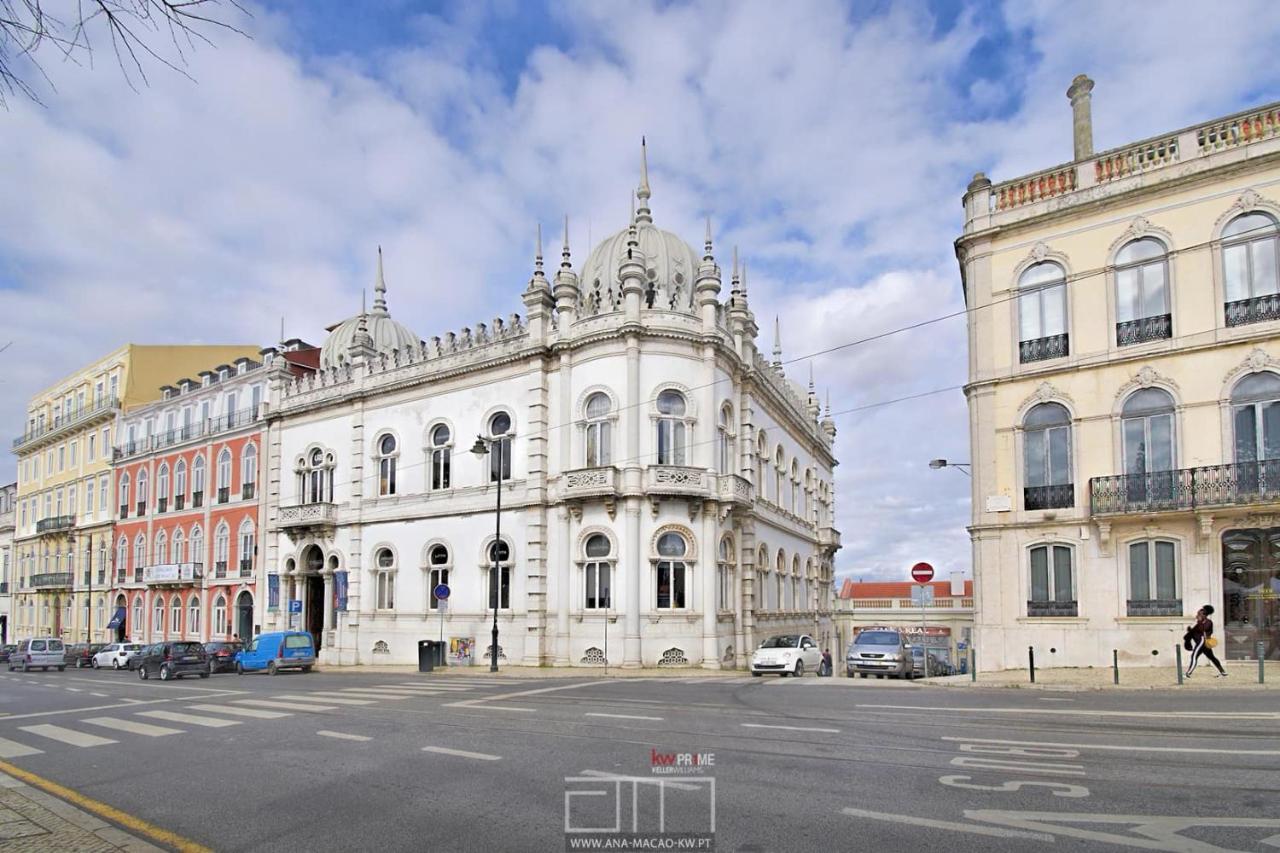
[672, 572]
[499, 554]
[597, 572]
[221, 550]
[500, 447]
[1052, 582]
[779, 476]
[438, 564]
[764, 580]
[726, 436]
[143, 491]
[762, 462]
[197, 481]
[1142, 292]
[175, 616]
[1250, 247]
[1147, 426]
[315, 478]
[197, 546]
[797, 601]
[598, 429]
[1255, 417]
[1046, 435]
[224, 475]
[122, 559]
[795, 487]
[179, 546]
[1042, 313]
[783, 593]
[385, 579]
[139, 556]
[157, 619]
[193, 616]
[162, 547]
[248, 472]
[387, 451]
[806, 495]
[1153, 578]
[248, 546]
[441, 456]
[672, 442]
[162, 488]
[180, 484]
[219, 625]
[724, 575]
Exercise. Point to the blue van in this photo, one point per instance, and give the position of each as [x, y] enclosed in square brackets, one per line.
[276, 651]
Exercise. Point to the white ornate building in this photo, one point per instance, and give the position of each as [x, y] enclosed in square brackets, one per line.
[666, 491]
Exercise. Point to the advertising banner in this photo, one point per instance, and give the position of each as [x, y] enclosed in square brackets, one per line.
[340, 591]
[273, 592]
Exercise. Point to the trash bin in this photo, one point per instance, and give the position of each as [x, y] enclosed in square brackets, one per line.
[426, 656]
[438, 647]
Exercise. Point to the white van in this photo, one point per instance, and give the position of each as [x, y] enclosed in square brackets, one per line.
[44, 653]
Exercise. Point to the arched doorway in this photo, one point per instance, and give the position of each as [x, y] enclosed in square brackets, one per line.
[119, 619]
[313, 594]
[244, 615]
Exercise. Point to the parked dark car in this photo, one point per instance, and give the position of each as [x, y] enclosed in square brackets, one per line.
[172, 660]
[222, 654]
[5, 651]
[81, 655]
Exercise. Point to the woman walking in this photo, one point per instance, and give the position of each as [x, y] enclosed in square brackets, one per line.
[1200, 636]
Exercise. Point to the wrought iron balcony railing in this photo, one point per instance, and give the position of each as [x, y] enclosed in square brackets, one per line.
[162, 505]
[1040, 349]
[220, 568]
[197, 500]
[224, 494]
[51, 580]
[1144, 329]
[1049, 497]
[1053, 608]
[179, 502]
[1255, 310]
[1234, 484]
[307, 515]
[246, 491]
[246, 568]
[76, 416]
[55, 523]
[1155, 607]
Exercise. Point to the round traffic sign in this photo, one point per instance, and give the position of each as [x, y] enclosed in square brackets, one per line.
[922, 573]
[441, 591]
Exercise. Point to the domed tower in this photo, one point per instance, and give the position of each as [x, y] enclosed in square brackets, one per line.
[385, 334]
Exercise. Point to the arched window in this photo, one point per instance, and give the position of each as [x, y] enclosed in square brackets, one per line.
[779, 476]
[805, 494]
[672, 572]
[1255, 406]
[764, 585]
[219, 624]
[500, 447]
[1052, 582]
[224, 475]
[388, 451]
[1142, 292]
[179, 546]
[162, 547]
[724, 575]
[180, 484]
[198, 556]
[122, 559]
[221, 550]
[797, 600]
[439, 563]
[248, 547]
[441, 456]
[102, 611]
[315, 478]
[1148, 432]
[193, 616]
[197, 481]
[139, 556]
[598, 438]
[248, 472]
[143, 492]
[162, 488]
[384, 562]
[782, 596]
[175, 616]
[124, 495]
[499, 554]
[1249, 262]
[1153, 578]
[1047, 457]
[597, 572]
[1042, 312]
[795, 487]
[762, 462]
[137, 630]
[726, 434]
[672, 440]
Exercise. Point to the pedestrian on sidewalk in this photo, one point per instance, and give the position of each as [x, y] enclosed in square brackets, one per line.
[825, 668]
[1200, 635]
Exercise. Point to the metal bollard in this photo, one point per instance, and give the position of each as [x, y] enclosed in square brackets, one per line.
[1115, 666]
[1031, 658]
[1177, 656]
[1262, 663]
[973, 664]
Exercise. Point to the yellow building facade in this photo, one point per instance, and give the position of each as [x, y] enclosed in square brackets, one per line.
[1124, 396]
[65, 501]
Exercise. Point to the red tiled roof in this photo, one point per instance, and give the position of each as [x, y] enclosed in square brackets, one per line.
[895, 589]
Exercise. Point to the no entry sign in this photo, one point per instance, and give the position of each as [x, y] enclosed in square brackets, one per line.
[922, 573]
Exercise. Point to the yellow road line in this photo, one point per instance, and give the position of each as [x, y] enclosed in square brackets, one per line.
[102, 810]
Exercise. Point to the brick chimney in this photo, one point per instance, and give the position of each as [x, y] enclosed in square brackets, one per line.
[1081, 116]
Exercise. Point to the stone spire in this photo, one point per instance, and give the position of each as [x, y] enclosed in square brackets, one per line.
[362, 348]
[813, 407]
[633, 272]
[708, 285]
[538, 281]
[566, 289]
[644, 215]
[379, 292]
[827, 425]
[777, 343]
[538, 301]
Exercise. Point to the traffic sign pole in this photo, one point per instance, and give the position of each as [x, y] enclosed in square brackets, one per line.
[922, 573]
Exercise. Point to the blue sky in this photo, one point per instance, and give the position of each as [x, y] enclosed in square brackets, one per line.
[830, 142]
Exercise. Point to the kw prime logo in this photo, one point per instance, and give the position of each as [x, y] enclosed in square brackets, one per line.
[611, 811]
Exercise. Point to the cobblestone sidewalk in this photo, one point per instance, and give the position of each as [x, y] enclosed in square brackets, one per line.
[32, 821]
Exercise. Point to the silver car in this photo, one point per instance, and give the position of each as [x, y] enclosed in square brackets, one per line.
[883, 652]
[44, 652]
[117, 655]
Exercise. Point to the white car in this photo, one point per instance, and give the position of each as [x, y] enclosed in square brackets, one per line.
[786, 654]
[117, 655]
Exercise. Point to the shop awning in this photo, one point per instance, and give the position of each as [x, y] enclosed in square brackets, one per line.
[117, 620]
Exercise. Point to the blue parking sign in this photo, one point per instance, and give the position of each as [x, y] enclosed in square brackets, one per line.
[295, 605]
[441, 591]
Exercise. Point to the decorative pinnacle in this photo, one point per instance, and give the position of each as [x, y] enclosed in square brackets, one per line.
[379, 290]
[644, 215]
[777, 341]
[707, 254]
[810, 377]
[565, 263]
[828, 412]
[537, 258]
[735, 280]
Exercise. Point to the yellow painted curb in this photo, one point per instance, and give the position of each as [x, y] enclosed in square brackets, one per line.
[102, 810]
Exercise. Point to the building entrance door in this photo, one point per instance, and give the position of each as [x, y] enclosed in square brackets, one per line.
[315, 608]
[1250, 593]
[244, 616]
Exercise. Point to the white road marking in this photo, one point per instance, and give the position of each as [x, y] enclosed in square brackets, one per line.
[950, 826]
[241, 712]
[624, 716]
[788, 728]
[343, 735]
[74, 689]
[131, 726]
[99, 695]
[462, 753]
[495, 708]
[479, 702]
[425, 688]
[352, 691]
[68, 736]
[13, 749]
[192, 719]
[1123, 748]
[1180, 715]
[285, 706]
[330, 698]
[992, 763]
[1152, 832]
[665, 780]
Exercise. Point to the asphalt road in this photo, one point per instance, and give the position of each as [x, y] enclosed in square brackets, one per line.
[394, 762]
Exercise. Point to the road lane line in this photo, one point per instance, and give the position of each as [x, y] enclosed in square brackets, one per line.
[131, 726]
[788, 728]
[664, 781]
[285, 706]
[343, 735]
[480, 701]
[1122, 748]
[301, 697]
[1175, 715]
[193, 719]
[256, 713]
[67, 736]
[426, 688]
[74, 689]
[949, 826]
[462, 753]
[13, 749]
[99, 695]
[353, 691]
[624, 716]
[493, 708]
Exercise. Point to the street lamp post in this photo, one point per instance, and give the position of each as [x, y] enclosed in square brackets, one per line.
[483, 447]
[943, 463]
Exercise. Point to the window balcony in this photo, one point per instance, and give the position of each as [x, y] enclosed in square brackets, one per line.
[162, 505]
[1049, 497]
[734, 488]
[1053, 608]
[197, 500]
[590, 482]
[103, 409]
[306, 517]
[142, 508]
[179, 502]
[55, 524]
[224, 494]
[137, 574]
[51, 580]
[1155, 607]
[246, 568]
[1041, 349]
[102, 577]
[1146, 329]
[1258, 309]
[124, 510]
[1187, 489]
[676, 480]
[247, 491]
[220, 569]
[828, 537]
[170, 574]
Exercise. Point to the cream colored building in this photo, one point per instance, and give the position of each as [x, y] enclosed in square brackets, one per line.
[1124, 396]
[65, 504]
